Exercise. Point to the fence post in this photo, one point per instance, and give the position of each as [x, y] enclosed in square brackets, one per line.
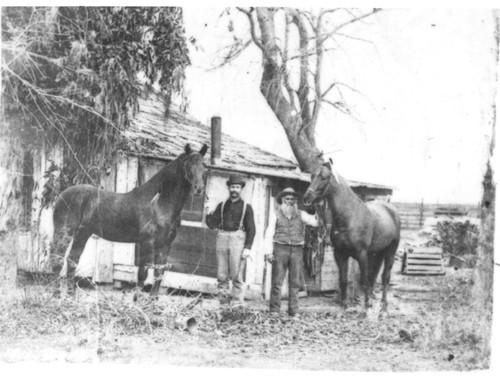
[421, 218]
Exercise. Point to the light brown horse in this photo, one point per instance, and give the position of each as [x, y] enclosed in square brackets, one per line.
[149, 215]
[367, 232]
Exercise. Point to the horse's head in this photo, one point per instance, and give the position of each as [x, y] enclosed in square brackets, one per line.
[194, 169]
[321, 180]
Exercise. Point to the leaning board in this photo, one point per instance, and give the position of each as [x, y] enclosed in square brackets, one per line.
[423, 260]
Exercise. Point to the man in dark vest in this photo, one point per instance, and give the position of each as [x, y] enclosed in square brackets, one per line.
[234, 219]
[284, 243]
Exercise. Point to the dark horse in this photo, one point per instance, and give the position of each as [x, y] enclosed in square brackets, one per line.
[367, 232]
[148, 215]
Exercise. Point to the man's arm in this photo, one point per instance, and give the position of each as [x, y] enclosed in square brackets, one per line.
[269, 235]
[213, 219]
[311, 220]
[249, 225]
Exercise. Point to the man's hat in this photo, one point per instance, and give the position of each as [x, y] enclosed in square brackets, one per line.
[234, 179]
[286, 191]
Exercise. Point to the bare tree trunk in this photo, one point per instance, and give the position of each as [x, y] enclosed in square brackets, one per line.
[482, 291]
[483, 272]
[272, 87]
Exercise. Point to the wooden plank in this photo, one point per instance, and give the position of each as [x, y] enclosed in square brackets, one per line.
[423, 268]
[193, 251]
[39, 168]
[125, 273]
[123, 253]
[105, 249]
[204, 284]
[121, 174]
[269, 267]
[24, 256]
[425, 254]
[421, 259]
[255, 268]
[424, 263]
[428, 249]
[132, 173]
[425, 273]
[104, 266]
[126, 179]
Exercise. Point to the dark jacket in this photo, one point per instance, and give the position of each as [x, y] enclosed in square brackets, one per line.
[231, 220]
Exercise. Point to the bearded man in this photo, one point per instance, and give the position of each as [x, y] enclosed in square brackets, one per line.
[284, 243]
[234, 219]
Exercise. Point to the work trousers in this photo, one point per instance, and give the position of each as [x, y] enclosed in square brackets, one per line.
[286, 257]
[230, 267]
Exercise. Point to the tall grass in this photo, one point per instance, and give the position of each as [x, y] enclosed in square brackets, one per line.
[452, 324]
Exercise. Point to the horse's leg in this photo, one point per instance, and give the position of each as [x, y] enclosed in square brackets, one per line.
[159, 268]
[374, 264]
[363, 269]
[389, 255]
[73, 258]
[145, 259]
[342, 261]
[61, 245]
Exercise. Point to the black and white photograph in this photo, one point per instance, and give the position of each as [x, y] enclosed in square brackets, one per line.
[294, 187]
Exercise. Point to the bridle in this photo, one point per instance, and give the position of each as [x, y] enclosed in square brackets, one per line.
[187, 175]
[323, 193]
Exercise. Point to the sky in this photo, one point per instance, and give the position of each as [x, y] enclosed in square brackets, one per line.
[425, 83]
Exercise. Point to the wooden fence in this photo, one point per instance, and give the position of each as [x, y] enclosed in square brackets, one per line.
[413, 215]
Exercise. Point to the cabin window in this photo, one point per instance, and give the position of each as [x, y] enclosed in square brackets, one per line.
[193, 208]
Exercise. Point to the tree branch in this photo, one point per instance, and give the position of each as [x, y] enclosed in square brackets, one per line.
[253, 33]
[286, 78]
[351, 21]
[317, 75]
[303, 92]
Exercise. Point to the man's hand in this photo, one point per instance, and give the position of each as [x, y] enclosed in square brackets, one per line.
[246, 254]
[269, 258]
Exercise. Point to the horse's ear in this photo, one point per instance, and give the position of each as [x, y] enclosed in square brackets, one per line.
[204, 149]
[188, 149]
[327, 165]
[331, 161]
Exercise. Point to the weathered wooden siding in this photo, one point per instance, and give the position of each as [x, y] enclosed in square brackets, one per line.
[34, 243]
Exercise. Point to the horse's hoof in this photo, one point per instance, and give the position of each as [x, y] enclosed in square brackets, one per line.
[147, 288]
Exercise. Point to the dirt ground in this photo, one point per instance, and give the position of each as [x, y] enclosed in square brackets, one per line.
[324, 338]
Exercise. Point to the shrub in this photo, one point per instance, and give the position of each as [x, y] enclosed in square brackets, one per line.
[457, 237]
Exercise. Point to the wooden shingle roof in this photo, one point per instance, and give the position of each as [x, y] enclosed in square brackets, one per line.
[152, 135]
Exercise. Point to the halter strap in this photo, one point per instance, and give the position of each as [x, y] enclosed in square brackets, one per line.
[186, 172]
[317, 194]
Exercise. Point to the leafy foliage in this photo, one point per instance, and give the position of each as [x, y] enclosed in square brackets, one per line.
[70, 75]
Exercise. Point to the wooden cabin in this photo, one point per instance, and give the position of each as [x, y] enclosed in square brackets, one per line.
[152, 143]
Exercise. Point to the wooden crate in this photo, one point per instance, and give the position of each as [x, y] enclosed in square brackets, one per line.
[422, 261]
